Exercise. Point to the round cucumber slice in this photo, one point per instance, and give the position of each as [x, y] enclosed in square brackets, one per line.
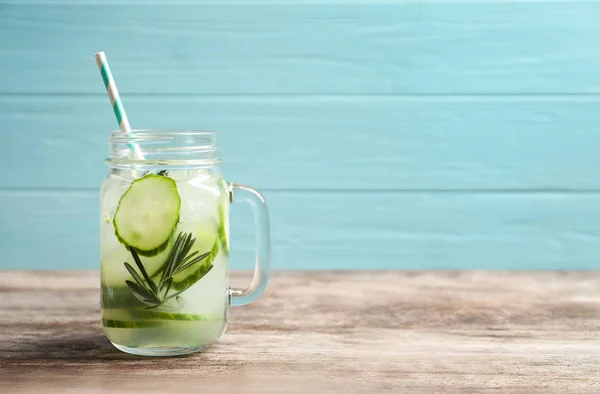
[195, 273]
[206, 234]
[147, 214]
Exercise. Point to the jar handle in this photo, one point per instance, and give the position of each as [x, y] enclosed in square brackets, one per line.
[249, 195]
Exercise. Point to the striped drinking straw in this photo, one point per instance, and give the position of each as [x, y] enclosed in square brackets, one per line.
[115, 100]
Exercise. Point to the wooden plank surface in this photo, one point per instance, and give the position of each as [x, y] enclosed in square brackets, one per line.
[338, 109]
[341, 230]
[308, 143]
[432, 182]
[326, 332]
[310, 47]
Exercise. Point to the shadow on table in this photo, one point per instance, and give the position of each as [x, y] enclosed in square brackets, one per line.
[87, 347]
[89, 362]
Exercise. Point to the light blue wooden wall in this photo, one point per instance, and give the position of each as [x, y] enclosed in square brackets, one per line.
[396, 134]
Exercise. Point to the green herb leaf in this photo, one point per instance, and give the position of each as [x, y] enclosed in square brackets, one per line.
[170, 261]
[179, 260]
[194, 261]
[168, 284]
[144, 300]
[189, 256]
[135, 275]
[136, 287]
[138, 262]
[141, 293]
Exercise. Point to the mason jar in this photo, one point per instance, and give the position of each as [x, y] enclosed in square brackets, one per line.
[164, 242]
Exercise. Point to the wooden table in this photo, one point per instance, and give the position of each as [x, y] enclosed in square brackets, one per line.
[324, 332]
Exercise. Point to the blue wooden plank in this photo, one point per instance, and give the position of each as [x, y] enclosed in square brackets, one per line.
[360, 230]
[370, 143]
[304, 48]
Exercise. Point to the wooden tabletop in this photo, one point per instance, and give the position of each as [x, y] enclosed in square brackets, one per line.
[323, 332]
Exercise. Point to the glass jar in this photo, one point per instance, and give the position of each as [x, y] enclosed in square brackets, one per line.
[164, 243]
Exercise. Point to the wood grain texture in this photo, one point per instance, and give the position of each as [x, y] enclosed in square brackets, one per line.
[416, 183]
[332, 143]
[309, 47]
[432, 134]
[337, 230]
[327, 332]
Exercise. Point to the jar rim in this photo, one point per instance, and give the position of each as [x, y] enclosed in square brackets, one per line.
[164, 147]
[153, 134]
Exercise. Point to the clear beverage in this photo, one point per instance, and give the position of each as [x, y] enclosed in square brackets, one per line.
[176, 299]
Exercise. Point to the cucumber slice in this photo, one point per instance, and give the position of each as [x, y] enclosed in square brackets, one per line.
[112, 323]
[147, 214]
[140, 318]
[207, 240]
[195, 273]
[224, 217]
[159, 315]
[114, 274]
[224, 227]
[144, 314]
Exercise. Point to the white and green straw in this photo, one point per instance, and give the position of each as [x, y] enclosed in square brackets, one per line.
[115, 100]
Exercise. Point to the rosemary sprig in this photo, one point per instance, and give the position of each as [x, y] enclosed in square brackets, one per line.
[152, 294]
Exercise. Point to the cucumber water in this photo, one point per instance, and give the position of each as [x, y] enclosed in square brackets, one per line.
[164, 259]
